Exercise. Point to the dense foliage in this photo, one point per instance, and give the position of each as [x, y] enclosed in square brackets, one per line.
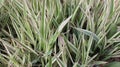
[59, 33]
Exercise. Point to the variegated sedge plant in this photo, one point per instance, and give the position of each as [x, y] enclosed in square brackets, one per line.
[58, 33]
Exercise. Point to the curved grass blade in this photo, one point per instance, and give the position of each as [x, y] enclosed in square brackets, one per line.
[61, 26]
[89, 33]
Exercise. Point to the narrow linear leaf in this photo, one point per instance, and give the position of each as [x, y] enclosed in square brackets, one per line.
[61, 26]
[89, 33]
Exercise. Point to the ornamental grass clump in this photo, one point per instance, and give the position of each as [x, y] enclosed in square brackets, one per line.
[59, 33]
